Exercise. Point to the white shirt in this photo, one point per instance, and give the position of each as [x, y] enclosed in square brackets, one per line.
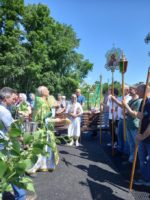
[120, 111]
[115, 107]
[74, 108]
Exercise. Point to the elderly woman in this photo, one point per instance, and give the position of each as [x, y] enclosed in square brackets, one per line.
[74, 111]
[41, 114]
[23, 107]
[60, 105]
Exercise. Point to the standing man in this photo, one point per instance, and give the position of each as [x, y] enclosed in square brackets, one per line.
[113, 114]
[80, 98]
[6, 100]
[122, 145]
[144, 136]
[105, 107]
[6, 96]
[132, 123]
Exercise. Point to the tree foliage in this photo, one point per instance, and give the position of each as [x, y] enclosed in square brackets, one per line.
[35, 49]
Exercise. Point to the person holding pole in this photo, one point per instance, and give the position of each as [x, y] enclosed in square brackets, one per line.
[112, 117]
[132, 123]
[143, 138]
[112, 63]
[104, 107]
[122, 144]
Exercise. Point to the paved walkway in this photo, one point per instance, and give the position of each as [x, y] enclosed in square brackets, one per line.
[84, 173]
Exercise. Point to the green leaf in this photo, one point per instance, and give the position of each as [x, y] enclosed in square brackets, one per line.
[23, 107]
[2, 156]
[30, 187]
[39, 144]
[24, 164]
[26, 180]
[15, 130]
[37, 151]
[28, 184]
[16, 146]
[29, 163]
[21, 165]
[38, 134]
[28, 138]
[3, 168]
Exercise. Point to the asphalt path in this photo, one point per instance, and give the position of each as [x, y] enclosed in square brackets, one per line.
[84, 173]
[88, 172]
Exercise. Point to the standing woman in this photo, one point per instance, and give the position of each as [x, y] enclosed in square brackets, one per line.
[42, 112]
[74, 111]
[23, 107]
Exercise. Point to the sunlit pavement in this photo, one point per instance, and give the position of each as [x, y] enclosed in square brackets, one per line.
[87, 172]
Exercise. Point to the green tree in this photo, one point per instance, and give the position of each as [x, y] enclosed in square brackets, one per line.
[51, 46]
[12, 54]
[38, 50]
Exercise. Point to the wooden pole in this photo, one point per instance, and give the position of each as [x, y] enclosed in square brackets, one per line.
[100, 109]
[139, 131]
[124, 117]
[88, 103]
[112, 131]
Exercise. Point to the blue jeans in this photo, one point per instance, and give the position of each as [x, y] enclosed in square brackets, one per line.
[106, 118]
[19, 193]
[131, 134]
[123, 146]
[144, 158]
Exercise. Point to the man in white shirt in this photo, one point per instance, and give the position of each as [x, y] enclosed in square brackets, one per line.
[122, 145]
[113, 116]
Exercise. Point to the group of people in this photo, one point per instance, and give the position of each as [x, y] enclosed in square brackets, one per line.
[129, 108]
[43, 109]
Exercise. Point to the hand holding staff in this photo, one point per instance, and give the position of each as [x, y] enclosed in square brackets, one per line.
[139, 131]
[123, 67]
[112, 129]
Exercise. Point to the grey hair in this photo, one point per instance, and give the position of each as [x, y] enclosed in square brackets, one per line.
[6, 92]
[40, 90]
[63, 97]
[24, 96]
[74, 95]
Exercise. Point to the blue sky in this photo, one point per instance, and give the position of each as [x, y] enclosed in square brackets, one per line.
[100, 24]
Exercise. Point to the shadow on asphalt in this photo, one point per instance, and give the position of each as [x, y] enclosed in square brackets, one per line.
[91, 144]
[90, 150]
[101, 192]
